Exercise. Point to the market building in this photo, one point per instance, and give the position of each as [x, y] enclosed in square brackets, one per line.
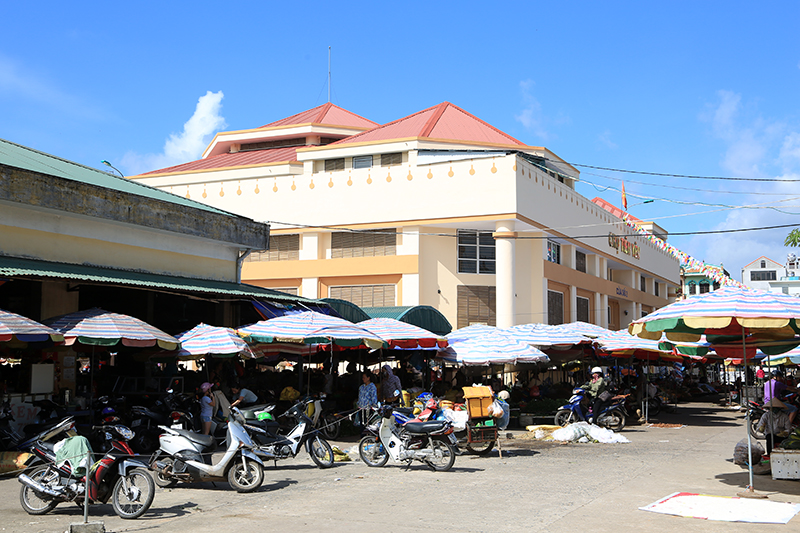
[760, 273]
[438, 208]
[73, 238]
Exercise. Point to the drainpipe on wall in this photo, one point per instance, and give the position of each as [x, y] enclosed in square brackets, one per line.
[239, 261]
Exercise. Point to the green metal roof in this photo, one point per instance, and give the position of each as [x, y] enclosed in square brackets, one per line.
[424, 316]
[347, 310]
[13, 267]
[15, 155]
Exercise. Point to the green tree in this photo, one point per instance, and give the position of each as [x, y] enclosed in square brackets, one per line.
[793, 239]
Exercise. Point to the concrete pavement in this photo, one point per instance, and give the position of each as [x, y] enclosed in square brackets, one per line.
[536, 486]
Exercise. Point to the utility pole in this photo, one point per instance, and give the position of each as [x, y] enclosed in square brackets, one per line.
[329, 74]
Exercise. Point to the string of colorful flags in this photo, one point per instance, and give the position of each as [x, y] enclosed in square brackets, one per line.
[712, 272]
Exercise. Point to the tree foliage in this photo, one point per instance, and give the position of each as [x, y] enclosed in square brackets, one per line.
[793, 239]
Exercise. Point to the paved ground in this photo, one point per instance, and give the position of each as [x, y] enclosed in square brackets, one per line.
[536, 486]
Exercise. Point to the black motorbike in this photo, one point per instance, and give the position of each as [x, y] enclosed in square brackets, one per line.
[272, 443]
[117, 476]
[172, 410]
[12, 439]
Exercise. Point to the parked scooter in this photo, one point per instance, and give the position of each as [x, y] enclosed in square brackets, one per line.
[611, 417]
[117, 476]
[186, 456]
[432, 443]
[272, 445]
[170, 410]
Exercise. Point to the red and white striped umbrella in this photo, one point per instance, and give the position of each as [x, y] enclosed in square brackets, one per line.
[404, 336]
[103, 328]
[22, 329]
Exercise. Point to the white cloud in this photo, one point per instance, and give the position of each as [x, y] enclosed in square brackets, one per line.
[605, 139]
[22, 84]
[531, 116]
[187, 145]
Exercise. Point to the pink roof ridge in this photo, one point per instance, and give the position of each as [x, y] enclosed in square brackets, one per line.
[327, 113]
[237, 159]
[442, 121]
[614, 210]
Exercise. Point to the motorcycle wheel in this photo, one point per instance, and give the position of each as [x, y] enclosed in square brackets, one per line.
[614, 420]
[133, 494]
[33, 502]
[320, 451]
[479, 448]
[653, 407]
[754, 432]
[331, 426]
[446, 456]
[165, 482]
[372, 452]
[564, 417]
[245, 478]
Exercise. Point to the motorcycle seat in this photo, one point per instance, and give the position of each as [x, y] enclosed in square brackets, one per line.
[421, 428]
[203, 440]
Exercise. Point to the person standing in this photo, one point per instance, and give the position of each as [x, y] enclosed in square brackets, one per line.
[775, 387]
[391, 389]
[367, 398]
[207, 404]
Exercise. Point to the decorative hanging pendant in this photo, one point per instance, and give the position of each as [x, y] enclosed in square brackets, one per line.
[256, 189]
[451, 173]
[204, 191]
[430, 174]
[239, 190]
[187, 192]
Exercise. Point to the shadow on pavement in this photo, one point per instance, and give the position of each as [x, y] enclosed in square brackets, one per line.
[763, 483]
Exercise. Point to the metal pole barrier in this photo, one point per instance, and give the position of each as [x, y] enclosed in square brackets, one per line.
[86, 488]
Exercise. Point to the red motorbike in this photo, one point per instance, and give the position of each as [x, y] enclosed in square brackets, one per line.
[118, 476]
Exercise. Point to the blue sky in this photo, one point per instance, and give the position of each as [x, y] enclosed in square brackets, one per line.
[698, 88]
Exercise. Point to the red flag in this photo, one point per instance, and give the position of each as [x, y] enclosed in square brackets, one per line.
[624, 197]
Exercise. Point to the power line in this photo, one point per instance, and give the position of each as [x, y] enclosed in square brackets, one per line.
[666, 175]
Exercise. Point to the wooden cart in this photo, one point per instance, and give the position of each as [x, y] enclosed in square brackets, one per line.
[481, 433]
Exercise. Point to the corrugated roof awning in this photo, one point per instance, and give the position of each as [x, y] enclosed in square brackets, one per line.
[14, 267]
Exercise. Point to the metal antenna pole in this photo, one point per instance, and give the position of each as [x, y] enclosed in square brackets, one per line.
[329, 74]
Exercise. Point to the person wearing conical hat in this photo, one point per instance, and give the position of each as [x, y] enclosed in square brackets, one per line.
[774, 423]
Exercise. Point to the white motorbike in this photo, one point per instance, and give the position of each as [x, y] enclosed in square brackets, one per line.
[185, 456]
[432, 443]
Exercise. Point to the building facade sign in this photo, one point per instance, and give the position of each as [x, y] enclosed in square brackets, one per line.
[621, 244]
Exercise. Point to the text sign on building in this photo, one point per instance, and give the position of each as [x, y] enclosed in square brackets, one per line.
[621, 244]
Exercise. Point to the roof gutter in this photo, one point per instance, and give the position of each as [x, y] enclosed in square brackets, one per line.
[239, 261]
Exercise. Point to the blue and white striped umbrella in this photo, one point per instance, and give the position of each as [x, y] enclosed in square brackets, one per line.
[469, 332]
[310, 327]
[586, 329]
[14, 327]
[103, 328]
[494, 348]
[204, 340]
[545, 335]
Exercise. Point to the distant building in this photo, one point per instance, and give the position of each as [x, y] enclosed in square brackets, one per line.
[696, 281]
[759, 273]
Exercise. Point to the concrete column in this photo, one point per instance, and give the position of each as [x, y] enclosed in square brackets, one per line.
[505, 244]
[309, 288]
[593, 265]
[309, 248]
[598, 309]
[637, 311]
[545, 311]
[603, 268]
[573, 304]
[568, 255]
[604, 310]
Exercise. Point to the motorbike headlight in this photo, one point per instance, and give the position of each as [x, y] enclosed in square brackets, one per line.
[126, 433]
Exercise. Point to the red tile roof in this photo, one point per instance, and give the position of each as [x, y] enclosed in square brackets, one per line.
[443, 121]
[614, 210]
[238, 159]
[325, 114]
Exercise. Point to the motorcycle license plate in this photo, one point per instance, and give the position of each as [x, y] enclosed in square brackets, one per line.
[453, 439]
[137, 422]
[177, 425]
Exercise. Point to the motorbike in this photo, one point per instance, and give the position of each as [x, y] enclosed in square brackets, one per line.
[271, 444]
[432, 443]
[611, 417]
[323, 419]
[170, 410]
[185, 456]
[757, 411]
[13, 439]
[118, 476]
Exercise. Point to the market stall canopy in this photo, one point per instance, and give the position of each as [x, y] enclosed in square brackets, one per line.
[423, 316]
[492, 348]
[403, 336]
[17, 328]
[102, 328]
[203, 340]
[586, 329]
[469, 332]
[790, 358]
[347, 310]
[310, 327]
[622, 344]
[544, 335]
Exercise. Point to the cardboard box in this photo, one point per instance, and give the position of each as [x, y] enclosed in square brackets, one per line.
[785, 464]
[478, 400]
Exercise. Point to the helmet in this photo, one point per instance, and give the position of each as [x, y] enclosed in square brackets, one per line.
[504, 395]
[777, 373]
[205, 386]
[597, 370]
[108, 411]
[264, 415]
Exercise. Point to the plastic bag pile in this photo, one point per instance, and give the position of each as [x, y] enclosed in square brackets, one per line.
[586, 432]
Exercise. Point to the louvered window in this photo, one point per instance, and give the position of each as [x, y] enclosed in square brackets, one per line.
[476, 305]
[582, 305]
[281, 248]
[390, 160]
[362, 161]
[476, 252]
[332, 165]
[287, 290]
[555, 308]
[363, 244]
[580, 262]
[366, 295]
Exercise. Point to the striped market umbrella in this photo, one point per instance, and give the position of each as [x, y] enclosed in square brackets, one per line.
[97, 327]
[17, 328]
[469, 332]
[756, 318]
[402, 335]
[545, 335]
[494, 348]
[623, 344]
[203, 340]
[586, 329]
[310, 327]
